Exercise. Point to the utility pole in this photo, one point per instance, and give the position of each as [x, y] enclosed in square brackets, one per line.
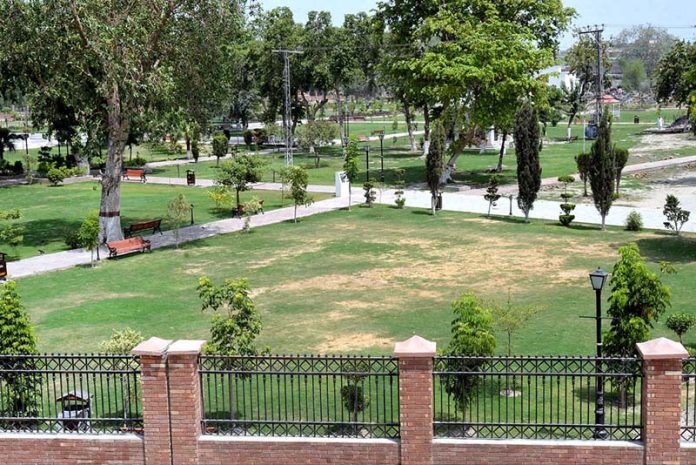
[597, 31]
[287, 127]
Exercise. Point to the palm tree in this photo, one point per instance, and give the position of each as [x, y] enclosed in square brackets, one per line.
[6, 142]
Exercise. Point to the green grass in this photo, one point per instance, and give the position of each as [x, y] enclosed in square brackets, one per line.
[355, 282]
[49, 212]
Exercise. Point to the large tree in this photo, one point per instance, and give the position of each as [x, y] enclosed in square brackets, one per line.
[475, 58]
[433, 164]
[676, 74]
[121, 62]
[648, 44]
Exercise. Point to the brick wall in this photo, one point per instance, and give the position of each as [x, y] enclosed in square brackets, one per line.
[170, 383]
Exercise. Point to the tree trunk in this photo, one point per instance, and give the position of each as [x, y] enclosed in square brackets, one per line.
[604, 224]
[585, 187]
[499, 168]
[433, 204]
[490, 204]
[189, 154]
[110, 208]
[350, 194]
[295, 217]
[339, 118]
[426, 128]
[409, 126]
[238, 204]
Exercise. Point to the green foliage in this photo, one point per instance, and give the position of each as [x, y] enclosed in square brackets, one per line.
[634, 221]
[584, 162]
[434, 164]
[316, 134]
[178, 212]
[220, 146]
[353, 393]
[221, 196]
[121, 342]
[137, 162]
[350, 165]
[11, 234]
[239, 173]
[195, 149]
[250, 207]
[566, 218]
[511, 318]
[638, 298]
[236, 323]
[492, 195]
[473, 335]
[527, 151]
[675, 214]
[634, 76]
[676, 74]
[680, 323]
[56, 175]
[602, 170]
[298, 179]
[620, 159]
[88, 233]
[19, 390]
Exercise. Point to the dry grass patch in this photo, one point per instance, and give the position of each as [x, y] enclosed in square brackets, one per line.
[353, 342]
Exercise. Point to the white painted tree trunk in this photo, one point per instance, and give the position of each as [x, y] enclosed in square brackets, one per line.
[110, 207]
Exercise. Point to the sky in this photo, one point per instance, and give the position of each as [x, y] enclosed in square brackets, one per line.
[615, 14]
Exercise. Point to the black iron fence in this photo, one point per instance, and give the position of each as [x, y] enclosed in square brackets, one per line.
[312, 396]
[536, 397]
[688, 400]
[70, 394]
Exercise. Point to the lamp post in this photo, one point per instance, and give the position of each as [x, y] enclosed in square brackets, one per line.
[381, 155]
[598, 278]
[367, 161]
[192, 214]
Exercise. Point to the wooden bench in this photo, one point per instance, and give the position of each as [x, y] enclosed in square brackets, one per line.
[135, 173]
[126, 246]
[240, 210]
[155, 225]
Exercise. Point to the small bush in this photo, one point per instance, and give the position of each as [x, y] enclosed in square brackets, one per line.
[135, 162]
[680, 323]
[370, 194]
[634, 221]
[72, 239]
[56, 175]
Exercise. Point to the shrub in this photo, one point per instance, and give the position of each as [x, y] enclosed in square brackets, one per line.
[675, 214]
[72, 239]
[56, 176]
[634, 221]
[680, 323]
[121, 342]
[370, 194]
[135, 162]
[400, 200]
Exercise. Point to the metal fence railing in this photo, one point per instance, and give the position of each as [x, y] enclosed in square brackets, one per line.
[313, 396]
[70, 394]
[536, 397]
[688, 400]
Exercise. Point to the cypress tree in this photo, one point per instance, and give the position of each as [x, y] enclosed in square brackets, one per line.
[528, 166]
[602, 171]
[434, 162]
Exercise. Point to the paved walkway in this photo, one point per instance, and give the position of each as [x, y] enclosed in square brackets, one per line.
[629, 169]
[68, 259]
[543, 209]
[265, 186]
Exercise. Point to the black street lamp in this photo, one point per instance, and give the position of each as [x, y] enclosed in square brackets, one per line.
[381, 155]
[367, 162]
[598, 278]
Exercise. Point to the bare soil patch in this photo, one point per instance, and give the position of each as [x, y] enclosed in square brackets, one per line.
[353, 342]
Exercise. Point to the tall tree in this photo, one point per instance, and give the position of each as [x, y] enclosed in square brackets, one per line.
[7, 142]
[602, 170]
[527, 151]
[645, 43]
[676, 74]
[475, 58]
[122, 62]
[239, 173]
[350, 166]
[434, 164]
[298, 179]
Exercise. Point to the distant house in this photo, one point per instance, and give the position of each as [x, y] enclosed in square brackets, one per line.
[559, 76]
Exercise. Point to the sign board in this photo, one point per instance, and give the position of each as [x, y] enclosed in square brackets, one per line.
[341, 184]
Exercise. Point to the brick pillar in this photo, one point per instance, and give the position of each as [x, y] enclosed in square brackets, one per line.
[153, 360]
[416, 400]
[185, 400]
[661, 398]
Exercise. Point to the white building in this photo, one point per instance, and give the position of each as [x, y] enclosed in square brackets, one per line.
[559, 76]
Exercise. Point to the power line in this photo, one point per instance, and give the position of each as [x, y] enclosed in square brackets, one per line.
[288, 105]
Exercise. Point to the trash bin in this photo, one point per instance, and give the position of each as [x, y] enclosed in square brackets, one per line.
[636, 119]
[190, 177]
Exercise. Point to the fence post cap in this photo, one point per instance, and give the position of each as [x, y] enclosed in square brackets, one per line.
[153, 346]
[415, 346]
[186, 347]
[662, 349]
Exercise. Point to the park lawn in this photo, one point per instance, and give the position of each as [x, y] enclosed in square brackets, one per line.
[474, 169]
[356, 282]
[50, 212]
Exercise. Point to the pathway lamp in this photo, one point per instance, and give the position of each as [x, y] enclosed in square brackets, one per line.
[598, 278]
